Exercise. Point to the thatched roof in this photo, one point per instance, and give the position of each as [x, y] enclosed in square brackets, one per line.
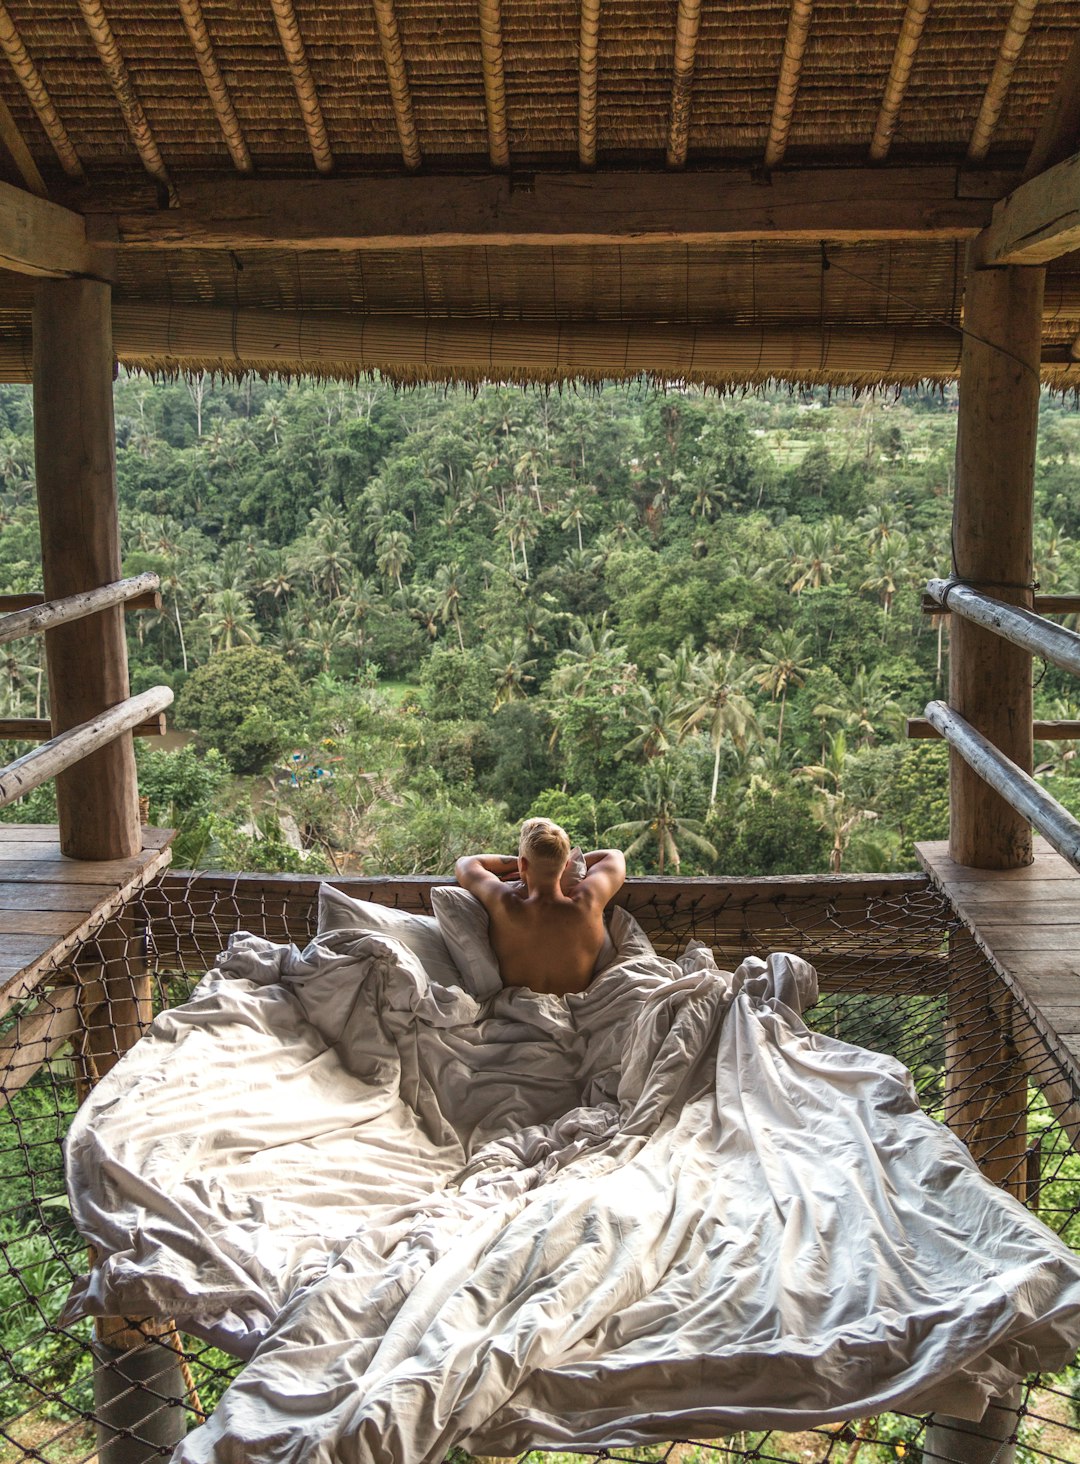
[141, 113]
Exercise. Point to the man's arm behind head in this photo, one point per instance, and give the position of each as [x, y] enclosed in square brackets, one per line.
[605, 873]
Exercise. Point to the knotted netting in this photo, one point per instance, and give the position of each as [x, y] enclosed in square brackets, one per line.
[899, 973]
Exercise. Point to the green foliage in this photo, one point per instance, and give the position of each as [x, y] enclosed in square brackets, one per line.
[774, 832]
[578, 813]
[244, 703]
[455, 685]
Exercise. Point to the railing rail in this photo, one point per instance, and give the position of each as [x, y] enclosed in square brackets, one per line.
[1012, 622]
[34, 768]
[39, 618]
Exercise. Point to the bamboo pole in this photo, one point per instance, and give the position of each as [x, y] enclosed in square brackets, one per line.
[491, 53]
[216, 85]
[787, 85]
[62, 753]
[38, 618]
[1027, 799]
[1012, 623]
[398, 79]
[38, 95]
[1012, 43]
[993, 512]
[907, 45]
[588, 49]
[131, 108]
[292, 43]
[687, 22]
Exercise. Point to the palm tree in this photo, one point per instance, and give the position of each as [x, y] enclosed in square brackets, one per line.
[720, 707]
[835, 813]
[814, 557]
[576, 515]
[889, 567]
[393, 554]
[510, 664]
[861, 702]
[658, 714]
[448, 584]
[660, 823]
[522, 528]
[230, 620]
[784, 663]
[678, 670]
[593, 649]
[323, 635]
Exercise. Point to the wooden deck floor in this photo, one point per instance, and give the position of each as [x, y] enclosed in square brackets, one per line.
[49, 903]
[1028, 923]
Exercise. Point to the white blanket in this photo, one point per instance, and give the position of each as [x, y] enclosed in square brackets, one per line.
[661, 1208]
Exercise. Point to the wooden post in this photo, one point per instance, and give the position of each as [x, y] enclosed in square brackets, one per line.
[74, 451]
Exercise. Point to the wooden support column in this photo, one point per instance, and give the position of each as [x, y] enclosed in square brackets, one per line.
[990, 679]
[74, 447]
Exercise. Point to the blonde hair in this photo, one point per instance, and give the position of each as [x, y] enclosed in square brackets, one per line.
[544, 842]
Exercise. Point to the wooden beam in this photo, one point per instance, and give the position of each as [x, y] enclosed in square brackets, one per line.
[216, 85]
[39, 729]
[21, 156]
[993, 512]
[36, 619]
[1037, 222]
[150, 600]
[918, 728]
[687, 22]
[131, 108]
[1044, 605]
[1012, 43]
[41, 238]
[706, 207]
[292, 43]
[907, 45]
[1058, 136]
[398, 80]
[37, 93]
[787, 85]
[588, 48]
[35, 1037]
[491, 56]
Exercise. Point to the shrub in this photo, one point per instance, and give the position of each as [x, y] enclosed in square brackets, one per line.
[245, 703]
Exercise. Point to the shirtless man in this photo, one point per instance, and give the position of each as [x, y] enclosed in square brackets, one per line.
[544, 937]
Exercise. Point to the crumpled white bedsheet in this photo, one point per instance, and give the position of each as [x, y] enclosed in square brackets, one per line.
[660, 1208]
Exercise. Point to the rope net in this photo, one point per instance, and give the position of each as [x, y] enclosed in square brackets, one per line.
[898, 973]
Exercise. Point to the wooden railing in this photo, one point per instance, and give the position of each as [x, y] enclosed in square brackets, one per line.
[73, 745]
[1040, 637]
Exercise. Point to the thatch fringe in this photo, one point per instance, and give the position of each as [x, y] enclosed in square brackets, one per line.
[112, 60]
[907, 44]
[686, 34]
[787, 85]
[216, 86]
[292, 43]
[37, 94]
[1012, 43]
[588, 47]
[394, 60]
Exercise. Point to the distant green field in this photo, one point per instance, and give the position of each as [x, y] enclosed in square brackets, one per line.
[397, 691]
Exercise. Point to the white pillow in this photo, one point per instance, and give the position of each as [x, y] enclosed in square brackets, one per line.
[463, 924]
[420, 933]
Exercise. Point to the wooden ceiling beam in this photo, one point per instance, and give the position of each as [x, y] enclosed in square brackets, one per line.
[21, 155]
[292, 43]
[398, 80]
[907, 46]
[682, 84]
[491, 56]
[1037, 222]
[37, 94]
[559, 208]
[787, 85]
[1012, 43]
[216, 85]
[115, 67]
[41, 238]
[588, 76]
[1058, 136]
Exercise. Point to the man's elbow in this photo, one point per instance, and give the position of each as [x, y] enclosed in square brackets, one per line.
[462, 867]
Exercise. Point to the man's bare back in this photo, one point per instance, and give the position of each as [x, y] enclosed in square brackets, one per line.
[544, 937]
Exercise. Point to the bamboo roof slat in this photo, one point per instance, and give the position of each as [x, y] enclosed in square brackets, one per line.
[112, 61]
[21, 156]
[292, 43]
[491, 48]
[588, 49]
[393, 56]
[216, 86]
[1012, 43]
[787, 86]
[37, 94]
[686, 33]
[907, 46]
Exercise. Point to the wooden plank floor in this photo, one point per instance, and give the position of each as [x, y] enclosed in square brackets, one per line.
[1028, 923]
[48, 903]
